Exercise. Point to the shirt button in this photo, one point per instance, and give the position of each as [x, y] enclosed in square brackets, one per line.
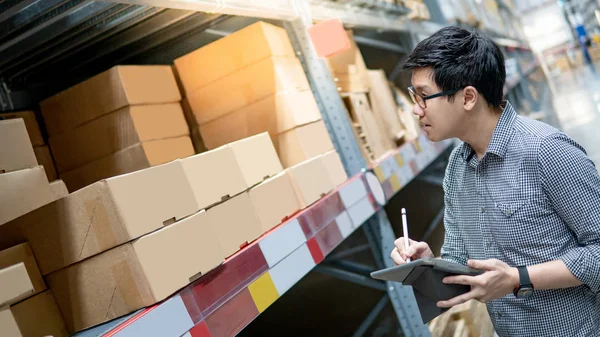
[482, 209]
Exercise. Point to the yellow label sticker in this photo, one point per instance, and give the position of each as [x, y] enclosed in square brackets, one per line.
[399, 160]
[263, 292]
[418, 146]
[395, 182]
[379, 173]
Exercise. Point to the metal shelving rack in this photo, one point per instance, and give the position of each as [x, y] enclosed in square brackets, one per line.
[226, 300]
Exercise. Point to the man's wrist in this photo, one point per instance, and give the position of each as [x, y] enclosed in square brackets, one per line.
[514, 276]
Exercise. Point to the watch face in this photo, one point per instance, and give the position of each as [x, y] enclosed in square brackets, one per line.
[525, 292]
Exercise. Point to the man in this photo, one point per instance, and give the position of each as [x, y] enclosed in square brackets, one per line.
[522, 200]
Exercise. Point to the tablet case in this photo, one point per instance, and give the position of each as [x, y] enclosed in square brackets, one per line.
[425, 276]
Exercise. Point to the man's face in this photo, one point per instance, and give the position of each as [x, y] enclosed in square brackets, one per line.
[441, 119]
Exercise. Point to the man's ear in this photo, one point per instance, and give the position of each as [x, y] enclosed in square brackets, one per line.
[471, 95]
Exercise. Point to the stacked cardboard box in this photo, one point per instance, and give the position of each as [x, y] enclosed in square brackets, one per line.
[24, 184]
[125, 119]
[349, 69]
[40, 149]
[27, 308]
[384, 106]
[418, 10]
[248, 83]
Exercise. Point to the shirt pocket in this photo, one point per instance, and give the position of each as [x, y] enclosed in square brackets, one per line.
[511, 209]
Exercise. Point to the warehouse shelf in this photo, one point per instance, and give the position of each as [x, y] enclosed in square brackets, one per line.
[513, 81]
[224, 301]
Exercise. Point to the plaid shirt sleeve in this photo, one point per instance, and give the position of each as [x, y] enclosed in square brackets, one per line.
[453, 249]
[572, 185]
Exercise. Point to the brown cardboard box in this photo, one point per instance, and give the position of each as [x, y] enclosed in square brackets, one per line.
[235, 223]
[246, 86]
[22, 254]
[39, 316]
[136, 274]
[135, 158]
[232, 53]
[227, 171]
[106, 92]
[274, 200]
[335, 168]
[23, 191]
[59, 189]
[348, 66]
[44, 158]
[310, 180]
[8, 325]
[302, 143]
[31, 124]
[384, 105]
[16, 152]
[103, 215]
[117, 131]
[197, 141]
[16, 284]
[275, 114]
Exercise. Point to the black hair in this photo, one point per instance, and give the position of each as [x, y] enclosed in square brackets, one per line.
[460, 58]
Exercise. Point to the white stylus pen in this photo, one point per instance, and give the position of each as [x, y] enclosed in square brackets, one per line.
[405, 230]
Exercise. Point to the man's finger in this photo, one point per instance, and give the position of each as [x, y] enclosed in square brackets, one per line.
[460, 279]
[483, 264]
[396, 257]
[457, 300]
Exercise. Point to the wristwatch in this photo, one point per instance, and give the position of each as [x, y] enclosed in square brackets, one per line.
[525, 288]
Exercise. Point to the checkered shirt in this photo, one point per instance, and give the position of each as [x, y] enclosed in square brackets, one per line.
[534, 197]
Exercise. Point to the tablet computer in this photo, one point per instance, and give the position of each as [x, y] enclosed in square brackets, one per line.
[401, 272]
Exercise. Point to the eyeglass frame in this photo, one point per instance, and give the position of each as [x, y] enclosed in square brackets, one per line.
[413, 92]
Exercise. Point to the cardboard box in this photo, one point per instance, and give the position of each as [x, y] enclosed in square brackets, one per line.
[23, 191]
[384, 105]
[232, 53]
[106, 92]
[302, 143]
[103, 215]
[227, 171]
[16, 284]
[8, 325]
[16, 152]
[136, 274]
[31, 124]
[310, 180]
[138, 157]
[59, 189]
[44, 158]
[235, 223]
[274, 200]
[117, 131]
[275, 114]
[246, 86]
[22, 254]
[335, 168]
[197, 141]
[39, 316]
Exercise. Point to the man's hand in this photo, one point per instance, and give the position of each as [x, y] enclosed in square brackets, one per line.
[498, 280]
[416, 250]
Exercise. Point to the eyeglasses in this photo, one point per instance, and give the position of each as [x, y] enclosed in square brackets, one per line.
[420, 99]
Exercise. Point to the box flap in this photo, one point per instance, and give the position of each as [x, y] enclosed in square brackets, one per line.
[59, 189]
[235, 223]
[73, 228]
[274, 200]
[22, 254]
[151, 198]
[178, 254]
[44, 158]
[256, 158]
[8, 323]
[246, 86]
[103, 287]
[16, 284]
[231, 53]
[310, 180]
[166, 150]
[214, 176]
[16, 152]
[23, 191]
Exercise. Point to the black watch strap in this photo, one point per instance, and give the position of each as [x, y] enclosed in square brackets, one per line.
[523, 276]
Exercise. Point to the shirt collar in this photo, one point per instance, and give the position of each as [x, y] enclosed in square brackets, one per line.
[501, 136]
